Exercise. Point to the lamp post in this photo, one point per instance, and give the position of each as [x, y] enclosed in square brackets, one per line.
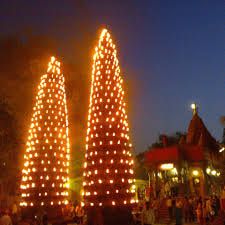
[194, 108]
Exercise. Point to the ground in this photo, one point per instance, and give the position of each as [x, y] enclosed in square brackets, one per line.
[173, 223]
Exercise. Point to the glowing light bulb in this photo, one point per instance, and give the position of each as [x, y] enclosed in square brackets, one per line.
[49, 114]
[108, 149]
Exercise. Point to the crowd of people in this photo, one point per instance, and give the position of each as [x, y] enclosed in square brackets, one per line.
[146, 213]
[73, 213]
[9, 216]
[202, 210]
[176, 209]
[193, 209]
[179, 210]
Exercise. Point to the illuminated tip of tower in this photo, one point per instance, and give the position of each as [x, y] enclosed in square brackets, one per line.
[104, 32]
[54, 65]
[52, 59]
[194, 108]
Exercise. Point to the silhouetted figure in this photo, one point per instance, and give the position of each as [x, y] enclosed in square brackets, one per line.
[5, 219]
[186, 210]
[217, 205]
[109, 216]
[148, 217]
[169, 207]
[95, 216]
[45, 219]
[178, 212]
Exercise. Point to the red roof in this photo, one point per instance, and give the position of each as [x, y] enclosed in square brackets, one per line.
[175, 153]
[193, 153]
[198, 134]
[198, 142]
[157, 155]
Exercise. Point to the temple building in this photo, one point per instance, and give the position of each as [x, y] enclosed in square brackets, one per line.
[190, 167]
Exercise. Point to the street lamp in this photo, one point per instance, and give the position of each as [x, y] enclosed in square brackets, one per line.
[194, 108]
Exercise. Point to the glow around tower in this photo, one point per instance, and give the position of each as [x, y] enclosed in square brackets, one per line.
[108, 168]
[45, 172]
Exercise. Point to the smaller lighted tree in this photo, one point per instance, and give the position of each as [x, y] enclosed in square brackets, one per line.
[46, 160]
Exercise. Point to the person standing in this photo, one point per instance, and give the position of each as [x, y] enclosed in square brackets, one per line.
[79, 213]
[148, 217]
[178, 212]
[155, 206]
[222, 199]
[167, 189]
[5, 219]
[217, 205]
[191, 209]
[199, 212]
[169, 207]
[186, 210]
[14, 213]
[45, 219]
[204, 213]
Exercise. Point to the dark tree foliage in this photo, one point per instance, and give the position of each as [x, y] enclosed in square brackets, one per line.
[9, 140]
[171, 140]
[139, 169]
[23, 59]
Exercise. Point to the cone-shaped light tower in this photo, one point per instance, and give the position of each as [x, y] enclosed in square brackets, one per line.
[108, 168]
[46, 160]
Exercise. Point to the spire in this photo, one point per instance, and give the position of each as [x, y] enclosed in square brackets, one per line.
[46, 159]
[198, 134]
[108, 168]
[202, 140]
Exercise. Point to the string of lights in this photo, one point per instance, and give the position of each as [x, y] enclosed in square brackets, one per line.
[108, 168]
[45, 173]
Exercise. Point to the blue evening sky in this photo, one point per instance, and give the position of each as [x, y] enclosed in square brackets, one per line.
[171, 53]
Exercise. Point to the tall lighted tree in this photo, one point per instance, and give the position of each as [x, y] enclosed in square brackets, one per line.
[46, 159]
[108, 168]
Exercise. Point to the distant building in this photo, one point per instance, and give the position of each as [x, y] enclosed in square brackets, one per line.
[191, 167]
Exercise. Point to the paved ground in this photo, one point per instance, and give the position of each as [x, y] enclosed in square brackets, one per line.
[173, 223]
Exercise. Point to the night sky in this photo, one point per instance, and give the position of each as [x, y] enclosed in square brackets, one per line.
[171, 53]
